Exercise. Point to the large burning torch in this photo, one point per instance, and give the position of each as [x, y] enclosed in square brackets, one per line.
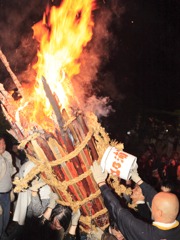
[61, 140]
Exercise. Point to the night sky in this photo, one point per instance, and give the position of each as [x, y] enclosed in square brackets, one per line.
[147, 63]
[149, 51]
[142, 68]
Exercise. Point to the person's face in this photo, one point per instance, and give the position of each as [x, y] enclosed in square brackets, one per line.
[15, 148]
[173, 162]
[137, 194]
[55, 225]
[2, 146]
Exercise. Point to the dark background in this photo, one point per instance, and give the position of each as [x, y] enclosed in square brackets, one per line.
[146, 66]
[141, 73]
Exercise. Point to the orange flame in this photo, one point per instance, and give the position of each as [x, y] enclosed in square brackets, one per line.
[62, 35]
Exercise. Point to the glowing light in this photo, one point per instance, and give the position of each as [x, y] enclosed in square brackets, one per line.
[62, 34]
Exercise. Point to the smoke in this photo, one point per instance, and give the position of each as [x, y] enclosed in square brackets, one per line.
[100, 106]
[16, 19]
[95, 56]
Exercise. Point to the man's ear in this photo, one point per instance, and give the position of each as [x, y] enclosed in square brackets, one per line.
[141, 196]
[159, 213]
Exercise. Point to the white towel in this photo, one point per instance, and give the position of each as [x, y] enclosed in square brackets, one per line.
[24, 198]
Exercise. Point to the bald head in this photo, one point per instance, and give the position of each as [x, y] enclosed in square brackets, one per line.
[165, 207]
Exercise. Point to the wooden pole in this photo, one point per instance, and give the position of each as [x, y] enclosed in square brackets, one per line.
[13, 76]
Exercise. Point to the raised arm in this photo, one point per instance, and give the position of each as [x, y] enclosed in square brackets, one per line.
[148, 191]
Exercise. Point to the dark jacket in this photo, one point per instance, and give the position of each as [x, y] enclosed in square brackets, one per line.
[149, 192]
[131, 227]
[143, 212]
[69, 237]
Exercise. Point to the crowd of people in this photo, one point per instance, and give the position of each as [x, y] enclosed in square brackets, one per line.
[160, 170]
[35, 211]
[155, 184]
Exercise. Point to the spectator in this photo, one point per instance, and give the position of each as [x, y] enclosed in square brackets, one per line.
[178, 172]
[172, 168]
[31, 202]
[162, 166]
[6, 172]
[57, 224]
[148, 191]
[167, 186]
[109, 236]
[142, 210]
[113, 229]
[18, 156]
[165, 207]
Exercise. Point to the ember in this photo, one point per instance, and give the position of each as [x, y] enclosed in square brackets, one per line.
[47, 120]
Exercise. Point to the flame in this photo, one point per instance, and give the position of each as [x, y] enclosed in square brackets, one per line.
[62, 35]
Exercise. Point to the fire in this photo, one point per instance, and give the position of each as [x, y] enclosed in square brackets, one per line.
[62, 35]
[63, 146]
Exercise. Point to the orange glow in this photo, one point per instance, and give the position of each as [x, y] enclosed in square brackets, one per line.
[62, 35]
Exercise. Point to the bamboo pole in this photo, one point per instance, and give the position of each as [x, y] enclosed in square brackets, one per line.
[87, 160]
[66, 171]
[55, 106]
[13, 76]
[17, 131]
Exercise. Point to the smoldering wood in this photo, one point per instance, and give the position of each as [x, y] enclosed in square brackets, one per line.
[54, 105]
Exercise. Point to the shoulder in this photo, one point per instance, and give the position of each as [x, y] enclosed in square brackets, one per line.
[7, 155]
[26, 168]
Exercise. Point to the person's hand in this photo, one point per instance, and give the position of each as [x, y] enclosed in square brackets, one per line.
[98, 174]
[37, 184]
[135, 176]
[74, 222]
[96, 233]
[42, 220]
[1, 210]
[75, 217]
[53, 198]
[12, 196]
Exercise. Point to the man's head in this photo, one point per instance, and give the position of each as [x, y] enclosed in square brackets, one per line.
[165, 207]
[60, 217]
[108, 236]
[113, 229]
[15, 148]
[2, 145]
[167, 186]
[115, 232]
[137, 194]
